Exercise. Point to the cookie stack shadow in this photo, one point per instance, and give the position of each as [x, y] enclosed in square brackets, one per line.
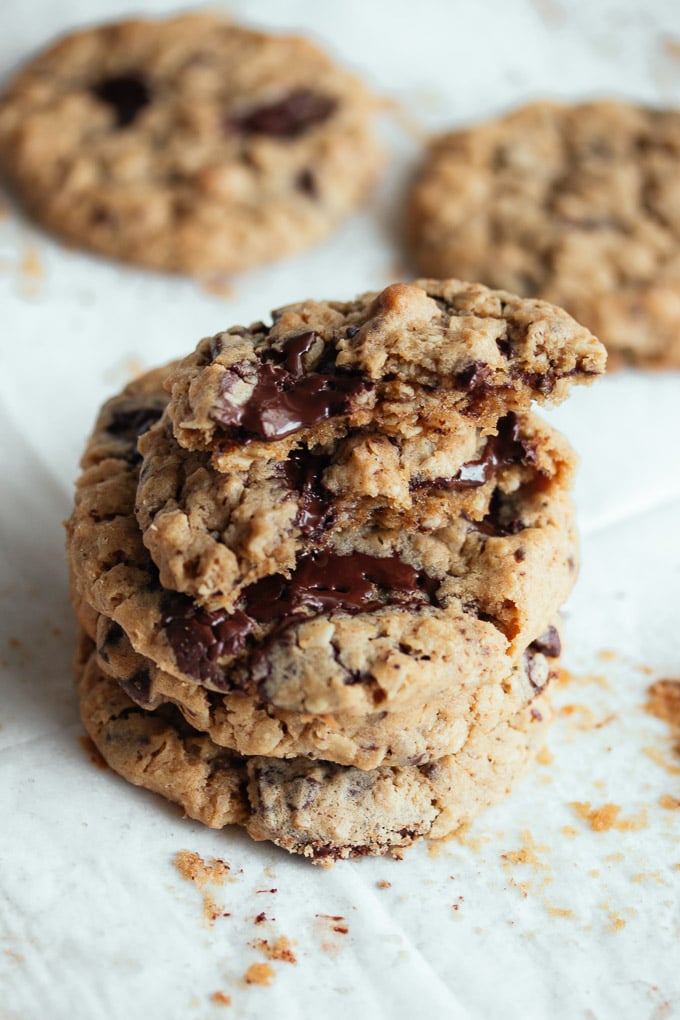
[318, 565]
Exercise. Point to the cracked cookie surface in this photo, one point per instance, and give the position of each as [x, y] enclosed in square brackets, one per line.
[189, 144]
[578, 205]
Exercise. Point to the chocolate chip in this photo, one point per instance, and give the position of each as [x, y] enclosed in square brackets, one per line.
[199, 638]
[289, 117]
[474, 376]
[307, 184]
[285, 397]
[138, 688]
[130, 423]
[548, 643]
[302, 472]
[126, 93]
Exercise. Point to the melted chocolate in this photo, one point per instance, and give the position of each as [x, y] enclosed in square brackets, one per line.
[321, 583]
[500, 520]
[199, 638]
[126, 93]
[289, 117]
[500, 451]
[303, 472]
[326, 582]
[129, 425]
[285, 396]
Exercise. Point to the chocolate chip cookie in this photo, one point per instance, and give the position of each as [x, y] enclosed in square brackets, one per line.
[189, 144]
[321, 810]
[249, 725]
[578, 205]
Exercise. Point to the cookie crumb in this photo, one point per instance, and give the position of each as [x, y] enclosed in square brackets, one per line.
[259, 974]
[195, 869]
[279, 950]
[220, 999]
[604, 818]
[668, 802]
[383, 884]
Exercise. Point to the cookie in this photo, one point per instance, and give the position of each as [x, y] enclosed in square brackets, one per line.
[577, 205]
[320, 810]
[251, 726]
[382, 632]
[435, 355]
[189, 144]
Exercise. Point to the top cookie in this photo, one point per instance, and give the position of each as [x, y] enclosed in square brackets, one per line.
[578, 205]
[190, 144]
[432, 355]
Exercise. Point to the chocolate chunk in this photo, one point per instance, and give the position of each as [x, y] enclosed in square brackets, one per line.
[473, 377]
[500, 451]
[285, 397]
[199, 638]
[126, 93]
[129, 424]
[138, 688]
[500, 522]
[289, 117]
[306, 183]
[548, 643]
[326, 582]
[302, 472]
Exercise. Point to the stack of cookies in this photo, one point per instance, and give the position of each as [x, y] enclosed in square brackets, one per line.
[318, 565]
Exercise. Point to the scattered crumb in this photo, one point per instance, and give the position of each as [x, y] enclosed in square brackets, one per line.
[545, 757]
[259, 974]
[607, 654]
[383, 884]
[92, 752]
[261, 918]
[528, 854]
[559, 911]
[279, 950]
[668, 802]
[614, 858]
[648, 876]
[616, 922]
[192, 867]
[220, 999]
[258, 891]
[671, 48]
[607, 817]
[647, 670]
[218, 286]
[664, 703]
[657, 757]
[31, 263]
[570, 831]
[462, 836]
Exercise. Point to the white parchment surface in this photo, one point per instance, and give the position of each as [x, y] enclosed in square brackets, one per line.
[533, 912]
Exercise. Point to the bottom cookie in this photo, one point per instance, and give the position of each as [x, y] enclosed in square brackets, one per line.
[319, 809]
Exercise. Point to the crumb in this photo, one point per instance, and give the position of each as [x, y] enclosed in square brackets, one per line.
[607, 655]
[258, 891]
[648, 876]
[657, 757]
[218, 286]
[259, 974]
[559, 911]
[607, 817]
[664, 703]
[192, 867]
[261, 918]
[528, 854]
[220, 999]
[92, 752]
[279, 950]
[570, 831]
[31, 263]
[545, 757]
[668, 802]
[383, 884]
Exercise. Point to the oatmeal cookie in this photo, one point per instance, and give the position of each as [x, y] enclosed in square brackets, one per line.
[575, 204]
[190, 144]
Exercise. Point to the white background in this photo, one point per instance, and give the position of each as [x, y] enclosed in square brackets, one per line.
[96, 923]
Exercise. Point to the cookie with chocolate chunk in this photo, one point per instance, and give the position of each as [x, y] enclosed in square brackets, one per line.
[318, 809]
[579, 205]
[376, 619]
[189, 144]
[249, 725]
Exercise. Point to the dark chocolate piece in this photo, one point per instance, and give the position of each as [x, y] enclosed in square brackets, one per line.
[288, 117]
[199, 638]
[126, 93]
[548, 643]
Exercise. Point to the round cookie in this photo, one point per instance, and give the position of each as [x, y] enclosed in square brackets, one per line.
[189, 144]
[247, 724]
[317, 809]
[418, 640]
[579, 205]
